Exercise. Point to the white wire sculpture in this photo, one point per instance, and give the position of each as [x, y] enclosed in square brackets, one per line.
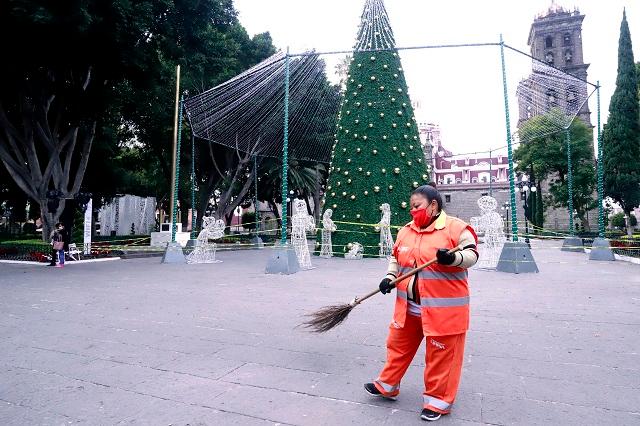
[204, 251]
[490, 226]
[301, 222]
[328, 227]
[355, 251]
[384, 226]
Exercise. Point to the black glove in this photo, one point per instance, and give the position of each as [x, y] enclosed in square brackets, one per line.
[444, 257]
[385, 286]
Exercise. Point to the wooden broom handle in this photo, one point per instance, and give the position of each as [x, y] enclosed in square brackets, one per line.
[411, 273]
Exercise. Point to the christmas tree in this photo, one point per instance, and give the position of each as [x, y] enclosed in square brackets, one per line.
[377, 156]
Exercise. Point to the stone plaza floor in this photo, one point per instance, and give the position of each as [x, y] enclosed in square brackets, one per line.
[141, 343]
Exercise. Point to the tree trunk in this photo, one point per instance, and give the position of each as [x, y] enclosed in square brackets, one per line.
[584, 222]
[48, 218]
[274, 209]
[627, 223]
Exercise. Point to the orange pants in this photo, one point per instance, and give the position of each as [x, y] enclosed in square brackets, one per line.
[444, 356]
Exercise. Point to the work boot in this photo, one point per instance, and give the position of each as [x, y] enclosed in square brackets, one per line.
[430, 415]
[371, 389]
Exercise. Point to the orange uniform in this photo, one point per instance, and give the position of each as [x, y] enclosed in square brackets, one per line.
[440, 295]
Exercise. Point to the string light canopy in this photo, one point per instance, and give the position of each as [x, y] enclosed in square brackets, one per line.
[246, 112]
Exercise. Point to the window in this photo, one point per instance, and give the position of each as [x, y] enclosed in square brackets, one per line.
[458, 180]
[474, 180]
[568, 57]
[549, 58]
[566, 39]
[572, 99]
[447, 198]
[484, 194]
[548, 42]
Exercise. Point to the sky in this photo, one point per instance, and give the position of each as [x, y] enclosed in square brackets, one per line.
[460, 89]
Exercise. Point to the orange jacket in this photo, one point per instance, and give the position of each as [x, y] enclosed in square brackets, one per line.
[444, 293]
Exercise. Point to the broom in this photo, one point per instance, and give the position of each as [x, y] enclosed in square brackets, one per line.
[329, 317]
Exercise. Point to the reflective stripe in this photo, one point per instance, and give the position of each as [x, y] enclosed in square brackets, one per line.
[402, 294]
[438, 275]
[386, 387]
[435, 402]
[435, 302]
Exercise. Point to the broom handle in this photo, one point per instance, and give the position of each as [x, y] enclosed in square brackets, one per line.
[412, 272]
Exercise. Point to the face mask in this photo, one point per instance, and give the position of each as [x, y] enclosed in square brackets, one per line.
[421, 217]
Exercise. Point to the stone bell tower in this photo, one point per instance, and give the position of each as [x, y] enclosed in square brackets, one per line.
[556, 39]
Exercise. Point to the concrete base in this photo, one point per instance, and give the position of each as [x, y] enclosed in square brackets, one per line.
[173, 254]
[573, 244]
[282, 260]
[516, 258]
[257, 241]
[191, 244]
[601, 250]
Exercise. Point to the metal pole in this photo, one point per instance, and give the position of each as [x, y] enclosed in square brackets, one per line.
[193, 186]
[176, 172]
[512, 190]
[255, 191]
[175, 143]
[490, 174]
[526, 221]
[570, 182]
[600, 172]
[285, 148]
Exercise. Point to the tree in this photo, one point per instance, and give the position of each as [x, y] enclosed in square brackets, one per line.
[619, 220]
[622, 133]
[546, 158]
[377, 156]
[64, 60]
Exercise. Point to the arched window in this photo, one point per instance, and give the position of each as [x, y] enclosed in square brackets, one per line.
[572, 99]
[566, 38]
[548, 42]
[552, 98]
[549, 58]
[568, 56]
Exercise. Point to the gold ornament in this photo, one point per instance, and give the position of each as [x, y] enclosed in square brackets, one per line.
[385, 66]
[416, 184]
[410, 146]
[348, 180]
[355, 136]
[395, 76]
[384, 170]
[335, 206]
[353, 197]
[358, 104]
[357, 216]
[394, 125]
[348, 160]
[425, 177]
[346, 172]
[359, 169]
[395, 148]
[382, 88]
[368, 173]
[373, 58]
[382, 115]
[399, 90]
[366, 192]
[369, 104]
[376, 189]
[373, 78]
[419, 160]
[402, 154]
[403, 204]
[344, 194]
[396, 170]
[393, 99]
[399, 112]
[333, 194]
[390, 187]
[408, 124]
[359, 86]
[370, 125]
[375, 152]
[338, 184]
[364, 137]
[358, 150]
[408, 163]
[406, 136]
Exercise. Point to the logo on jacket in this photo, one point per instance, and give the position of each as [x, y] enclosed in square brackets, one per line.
[437, 344]
[403, 249]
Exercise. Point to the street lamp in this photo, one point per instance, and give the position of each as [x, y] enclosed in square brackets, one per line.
[506, 206]
[524, 187]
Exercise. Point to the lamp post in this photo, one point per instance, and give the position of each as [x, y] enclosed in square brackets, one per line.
[523, 186]
[506, 207]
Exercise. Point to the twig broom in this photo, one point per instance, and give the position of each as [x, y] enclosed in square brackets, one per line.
[329, 317]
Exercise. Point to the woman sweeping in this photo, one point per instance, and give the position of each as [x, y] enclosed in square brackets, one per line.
[433, 304]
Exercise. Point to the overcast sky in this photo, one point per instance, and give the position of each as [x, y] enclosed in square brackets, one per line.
[460, 89]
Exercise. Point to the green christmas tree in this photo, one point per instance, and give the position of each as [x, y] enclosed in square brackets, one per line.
[377, 156]
[622, 132]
